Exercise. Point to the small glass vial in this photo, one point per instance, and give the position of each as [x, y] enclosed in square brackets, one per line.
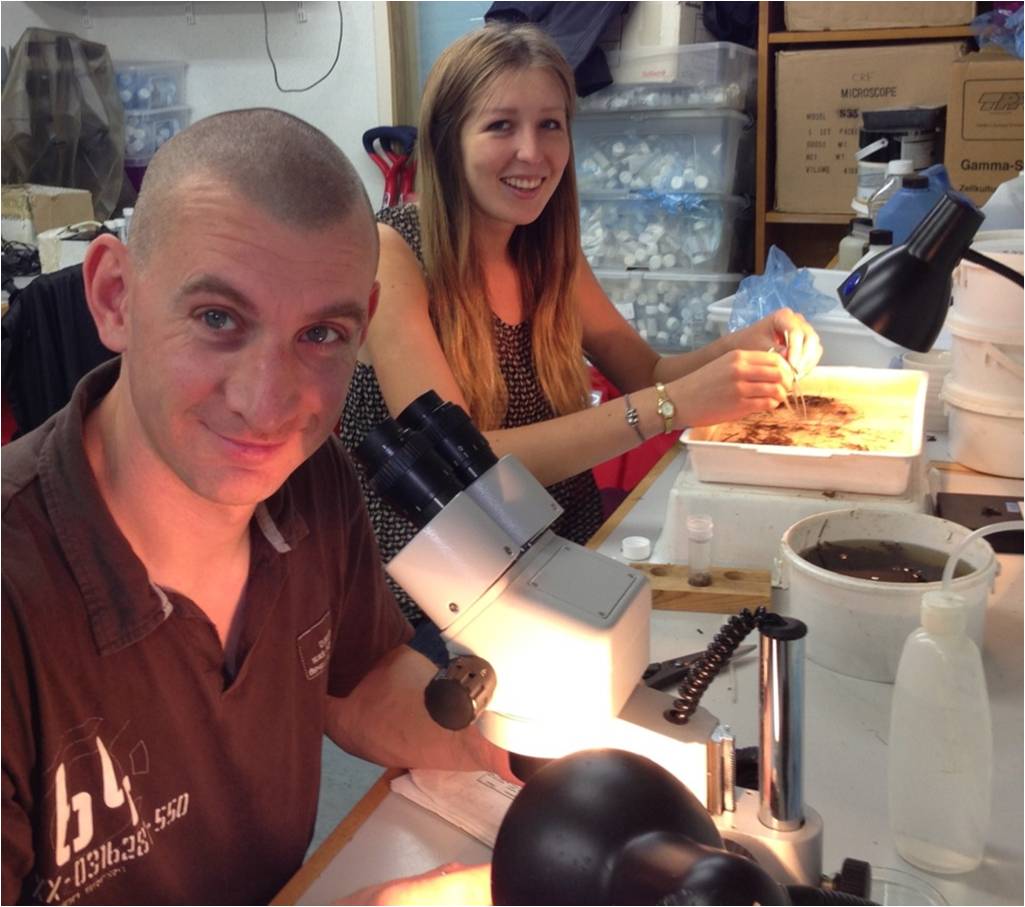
[127, 226]
[700, 529]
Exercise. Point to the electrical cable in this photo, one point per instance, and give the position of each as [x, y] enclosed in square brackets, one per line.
[716, 655]
[274, 66]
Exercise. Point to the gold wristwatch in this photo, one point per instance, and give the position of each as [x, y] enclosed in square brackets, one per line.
[666, 408]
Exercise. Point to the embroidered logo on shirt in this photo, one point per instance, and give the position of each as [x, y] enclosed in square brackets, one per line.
[315, 647]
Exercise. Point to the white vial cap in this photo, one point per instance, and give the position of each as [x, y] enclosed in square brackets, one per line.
[944, 613]
[636, 548]
[700, 527]
[900, 166]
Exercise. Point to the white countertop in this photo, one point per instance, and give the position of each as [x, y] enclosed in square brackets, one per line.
[847, 724]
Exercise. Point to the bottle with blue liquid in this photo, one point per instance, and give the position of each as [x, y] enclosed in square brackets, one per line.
[907, 206]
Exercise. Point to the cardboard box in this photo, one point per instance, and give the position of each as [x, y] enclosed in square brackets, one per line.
[853, 15]
[984, 123]
[28, 209]
[819, 98]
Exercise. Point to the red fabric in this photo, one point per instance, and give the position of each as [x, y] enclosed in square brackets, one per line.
[625, 471]
[7, 424]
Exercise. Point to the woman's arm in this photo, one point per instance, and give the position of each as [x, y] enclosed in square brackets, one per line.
[630, 363]
[408, 359]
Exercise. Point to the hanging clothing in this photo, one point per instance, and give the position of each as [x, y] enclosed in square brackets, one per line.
[49, 341]
[575, 27]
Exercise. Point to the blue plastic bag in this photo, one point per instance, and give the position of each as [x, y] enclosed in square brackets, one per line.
[782, 286]
[1002, 27]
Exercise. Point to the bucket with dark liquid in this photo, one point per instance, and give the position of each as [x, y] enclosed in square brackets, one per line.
[856, 578]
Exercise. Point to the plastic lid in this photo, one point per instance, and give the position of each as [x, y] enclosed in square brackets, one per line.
[700, 528]
[977, 400]
[900, 166]
[915, 182]
[944, 612]
[880, 237]
[636, 548]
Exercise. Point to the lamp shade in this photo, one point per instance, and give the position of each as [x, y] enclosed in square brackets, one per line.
[610, 827]
[903, 294]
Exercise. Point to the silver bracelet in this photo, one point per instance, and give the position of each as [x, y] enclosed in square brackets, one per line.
[632, 419]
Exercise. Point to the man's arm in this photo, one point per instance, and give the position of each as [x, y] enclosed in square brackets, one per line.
[384, 720]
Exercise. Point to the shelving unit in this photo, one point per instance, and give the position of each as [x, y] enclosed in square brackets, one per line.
[809, 239]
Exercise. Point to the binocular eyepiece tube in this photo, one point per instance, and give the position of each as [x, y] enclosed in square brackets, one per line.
[424, 458]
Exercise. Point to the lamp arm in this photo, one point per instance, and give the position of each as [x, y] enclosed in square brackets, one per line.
[995, 266]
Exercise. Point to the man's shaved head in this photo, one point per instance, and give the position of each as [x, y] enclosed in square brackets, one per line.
[274, 160]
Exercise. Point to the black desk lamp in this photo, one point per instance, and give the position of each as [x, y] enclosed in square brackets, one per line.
[609, 827]
[903, 293]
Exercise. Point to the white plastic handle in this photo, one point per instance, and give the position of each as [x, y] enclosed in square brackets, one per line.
[1002, 359]
[871, 149]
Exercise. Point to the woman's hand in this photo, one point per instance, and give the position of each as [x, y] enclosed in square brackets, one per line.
[735, 385]
[452, 883]
[786, 330]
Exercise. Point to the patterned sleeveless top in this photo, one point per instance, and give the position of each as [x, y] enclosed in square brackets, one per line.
[365, 409]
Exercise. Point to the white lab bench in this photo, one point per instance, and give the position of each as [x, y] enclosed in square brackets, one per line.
[846, 730]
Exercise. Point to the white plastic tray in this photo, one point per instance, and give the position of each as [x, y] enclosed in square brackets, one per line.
[890, 398]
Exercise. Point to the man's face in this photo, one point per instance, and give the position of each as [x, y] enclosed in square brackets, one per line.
[242, 336]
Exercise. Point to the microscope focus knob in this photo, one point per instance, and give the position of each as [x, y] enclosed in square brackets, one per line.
[460, 691]
[854, 877]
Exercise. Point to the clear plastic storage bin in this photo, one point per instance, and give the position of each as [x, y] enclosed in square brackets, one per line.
[702, 151]
[719, 74]
[147, 130]
[669, 310]
[693, 232]
[147, 86]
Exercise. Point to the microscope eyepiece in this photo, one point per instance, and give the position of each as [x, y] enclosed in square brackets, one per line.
[403, 468]
[452, 433]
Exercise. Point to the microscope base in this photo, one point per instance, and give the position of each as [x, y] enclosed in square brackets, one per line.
[790, 857]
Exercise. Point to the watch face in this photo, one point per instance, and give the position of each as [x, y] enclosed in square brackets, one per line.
[666, 408]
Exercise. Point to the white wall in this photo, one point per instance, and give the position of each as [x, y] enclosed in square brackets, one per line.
[227, 60]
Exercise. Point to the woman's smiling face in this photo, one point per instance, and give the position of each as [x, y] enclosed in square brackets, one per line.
[515, 146]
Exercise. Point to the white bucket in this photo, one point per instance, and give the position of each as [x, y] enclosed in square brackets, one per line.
[985, 298]
[987, 360]
[935, 364]
[985, 430]
[857, 626]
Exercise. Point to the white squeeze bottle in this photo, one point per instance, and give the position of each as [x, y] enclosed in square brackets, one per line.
[941, 743]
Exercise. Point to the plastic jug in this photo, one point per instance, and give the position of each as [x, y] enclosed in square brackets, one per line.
[895, 172]
[878, 241]
[1004, 210]
[941, 744]
[909, 204]
[852, 246]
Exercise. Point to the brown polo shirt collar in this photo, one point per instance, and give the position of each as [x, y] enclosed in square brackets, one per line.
[122, 604]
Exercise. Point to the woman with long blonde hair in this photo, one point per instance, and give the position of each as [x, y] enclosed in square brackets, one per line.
[485, 296]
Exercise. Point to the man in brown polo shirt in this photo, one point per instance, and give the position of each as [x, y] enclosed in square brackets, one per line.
[192, 594]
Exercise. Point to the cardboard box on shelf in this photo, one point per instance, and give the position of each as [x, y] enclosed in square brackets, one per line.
[820, 95]
[28, 209]
[855, 15]
[985, 123]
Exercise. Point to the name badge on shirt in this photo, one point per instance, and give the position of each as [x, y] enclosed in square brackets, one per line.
[315, 647]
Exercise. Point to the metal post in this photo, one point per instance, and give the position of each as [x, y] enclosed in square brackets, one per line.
[781, 699]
